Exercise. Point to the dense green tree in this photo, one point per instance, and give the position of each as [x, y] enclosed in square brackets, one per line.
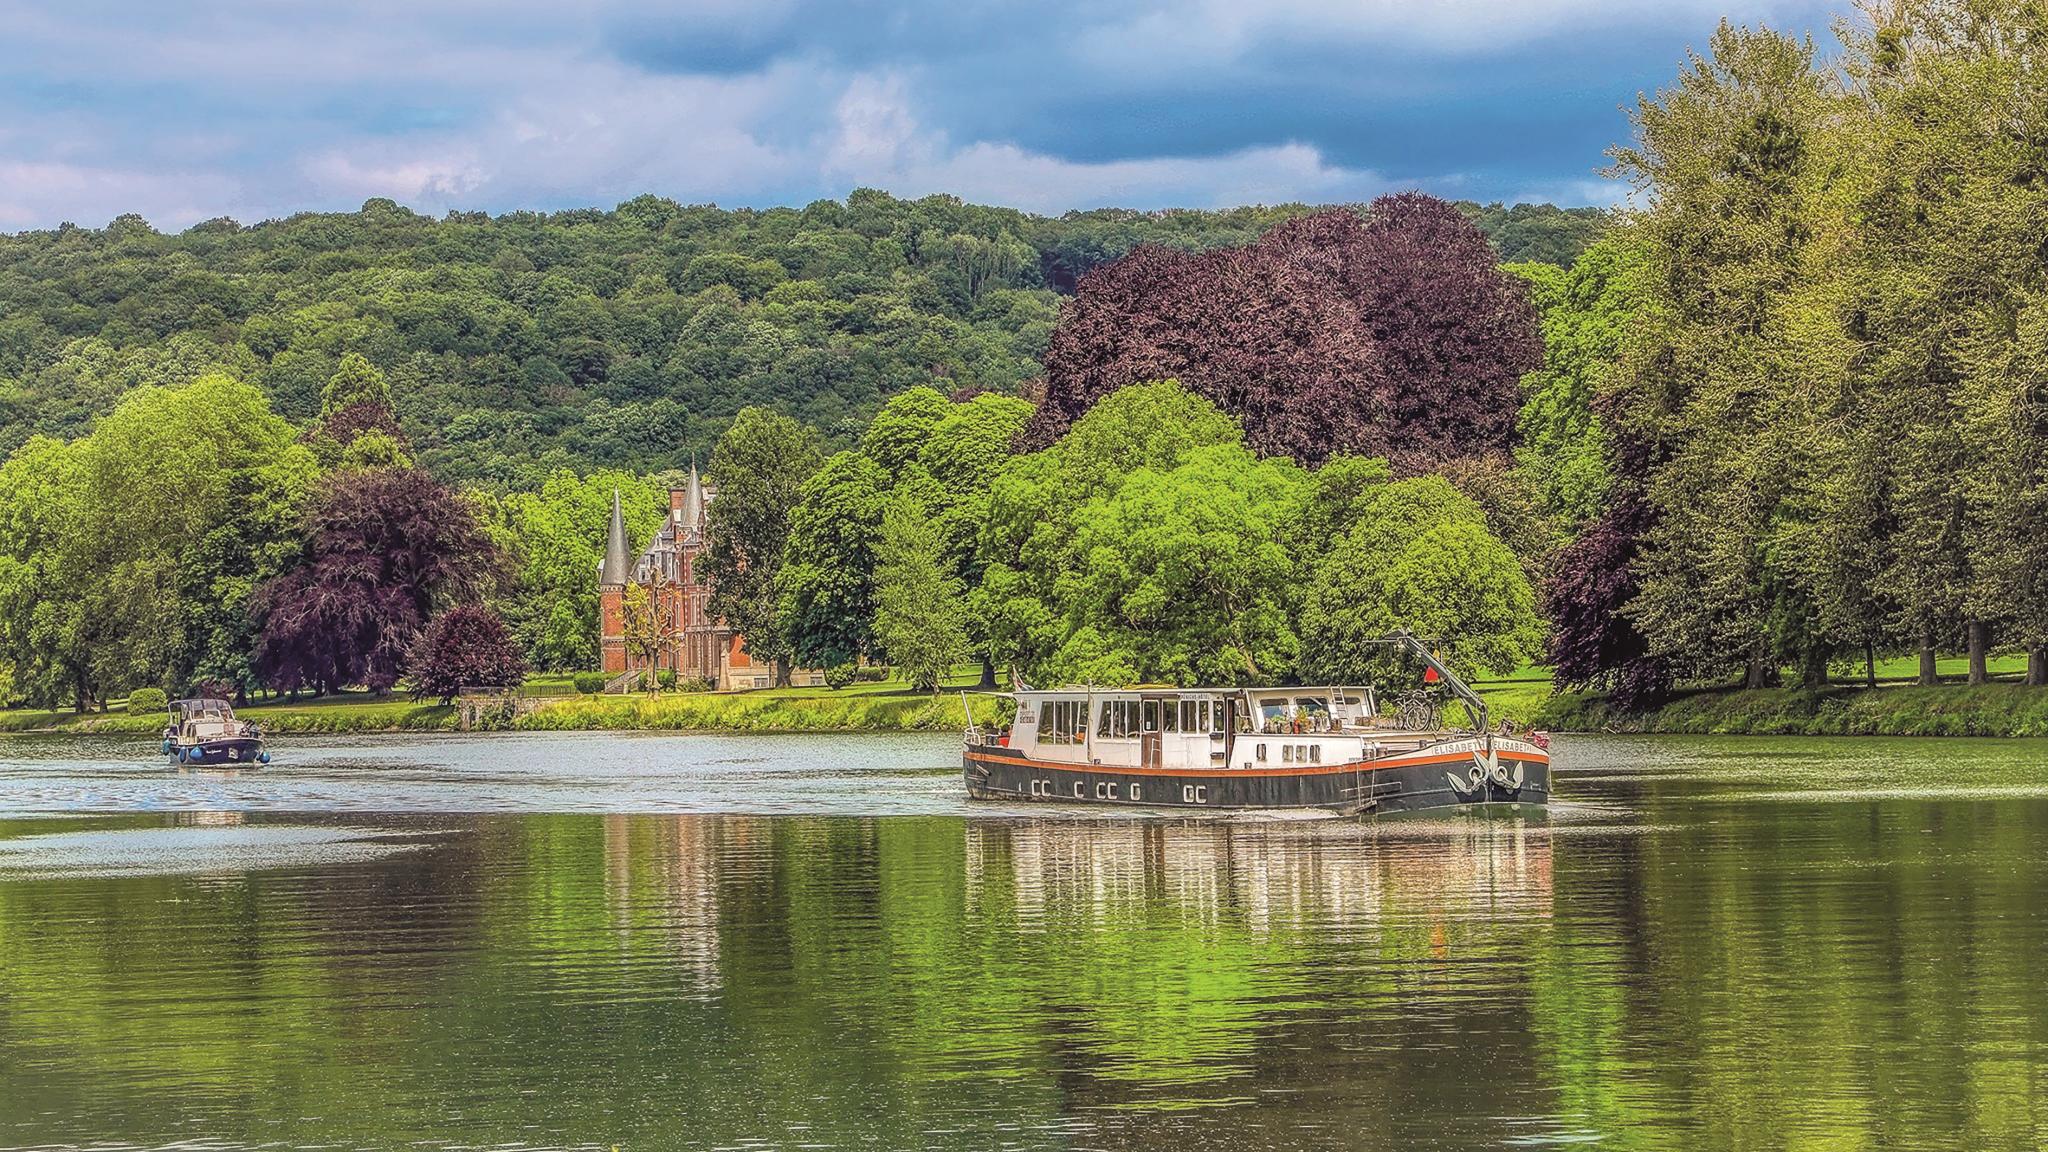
[1538, 233]
[921, 447]
[1589, 312]
[187, 498]
[1950, 276]
[42, 621]
[527, 342]
[1147, 544]
[1418, 556]
[906, 425]
[1730, 159]
[826, 604]
[355, 382]
[759, 469]
[920, 602]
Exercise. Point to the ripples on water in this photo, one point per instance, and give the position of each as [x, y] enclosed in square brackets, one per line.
[708, 942]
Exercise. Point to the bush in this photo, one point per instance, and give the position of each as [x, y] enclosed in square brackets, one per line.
[694, 684]
[590, 683]
[840, 675]
[146, 700]
[665, 679]
[466, 646]
[875, 673]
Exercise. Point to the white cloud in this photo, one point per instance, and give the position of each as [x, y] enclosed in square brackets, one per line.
[879, 142]
[252, 108]
[1180, 34]
[42, 194]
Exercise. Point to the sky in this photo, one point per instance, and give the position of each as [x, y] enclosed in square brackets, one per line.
[187, 110]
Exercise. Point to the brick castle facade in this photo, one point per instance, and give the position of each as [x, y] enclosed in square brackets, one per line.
[694, 644]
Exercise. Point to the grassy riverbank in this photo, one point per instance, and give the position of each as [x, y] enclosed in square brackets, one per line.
[881, 706]
[348, 712]
[1891, 710]
[1999, 709]
[791, 710]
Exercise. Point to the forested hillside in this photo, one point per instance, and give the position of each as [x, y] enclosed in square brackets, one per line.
[519, 344]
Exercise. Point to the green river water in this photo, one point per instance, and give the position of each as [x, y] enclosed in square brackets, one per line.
[708, 942]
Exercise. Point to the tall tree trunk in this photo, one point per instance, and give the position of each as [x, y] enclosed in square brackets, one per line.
[1758, 673]
[1928, 675]
[1980, 649]
[2037, 665]
[780, 668]
[988, 671]
[1813, 668]
[1869, 664]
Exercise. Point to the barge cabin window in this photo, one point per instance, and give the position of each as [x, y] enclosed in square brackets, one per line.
[1062, 722]
[1119, 719]
[1195, 716]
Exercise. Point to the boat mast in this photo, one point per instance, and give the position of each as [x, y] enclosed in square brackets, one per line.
[1458, 687]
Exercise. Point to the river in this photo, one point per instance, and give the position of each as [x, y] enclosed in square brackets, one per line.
[706, 942]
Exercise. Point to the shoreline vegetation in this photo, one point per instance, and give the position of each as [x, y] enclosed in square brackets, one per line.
[1896, 707]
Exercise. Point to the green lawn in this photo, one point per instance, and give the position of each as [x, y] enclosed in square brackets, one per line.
[1523, 697]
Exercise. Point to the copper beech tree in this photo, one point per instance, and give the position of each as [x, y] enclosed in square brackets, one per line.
[1390, 334]
[385, 547]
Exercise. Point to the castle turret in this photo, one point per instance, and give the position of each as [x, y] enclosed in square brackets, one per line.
[612, 574]
[693, 502]
[616, 561]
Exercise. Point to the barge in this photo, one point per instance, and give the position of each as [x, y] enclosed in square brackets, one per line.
[1330, 747]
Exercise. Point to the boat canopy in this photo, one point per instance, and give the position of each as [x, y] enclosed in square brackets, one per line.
[201, 706]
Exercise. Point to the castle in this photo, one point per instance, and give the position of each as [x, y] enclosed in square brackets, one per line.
[694, 644]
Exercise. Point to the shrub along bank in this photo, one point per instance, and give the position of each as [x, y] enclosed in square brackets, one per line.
[761, 712]
[884, 707]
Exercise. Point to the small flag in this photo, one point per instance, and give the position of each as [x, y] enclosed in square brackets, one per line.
[1429, 675]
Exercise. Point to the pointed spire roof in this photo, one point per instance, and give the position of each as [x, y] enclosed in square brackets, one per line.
[693, 500]
[616, 562]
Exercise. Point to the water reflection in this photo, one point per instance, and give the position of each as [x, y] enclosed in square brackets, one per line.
[1338, 876]
[1683, 968]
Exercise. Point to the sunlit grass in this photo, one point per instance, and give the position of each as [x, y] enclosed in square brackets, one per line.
[1890, 710]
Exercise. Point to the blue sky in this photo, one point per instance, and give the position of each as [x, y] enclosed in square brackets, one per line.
[190, 109]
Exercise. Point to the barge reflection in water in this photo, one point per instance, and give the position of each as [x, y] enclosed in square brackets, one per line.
[1696, 953]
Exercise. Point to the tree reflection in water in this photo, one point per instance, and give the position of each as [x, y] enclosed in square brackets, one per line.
[1717, 973]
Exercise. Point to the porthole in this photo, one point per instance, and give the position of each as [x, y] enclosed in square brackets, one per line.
[1287, 753]
[1315, 753]
[1135, 793]
[1259, 751]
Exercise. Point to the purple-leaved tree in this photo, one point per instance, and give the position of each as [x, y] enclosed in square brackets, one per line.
[384, 547]
[466, 646]
[1392, 334]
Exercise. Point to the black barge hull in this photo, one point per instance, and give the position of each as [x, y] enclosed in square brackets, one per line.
[1380, 786]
